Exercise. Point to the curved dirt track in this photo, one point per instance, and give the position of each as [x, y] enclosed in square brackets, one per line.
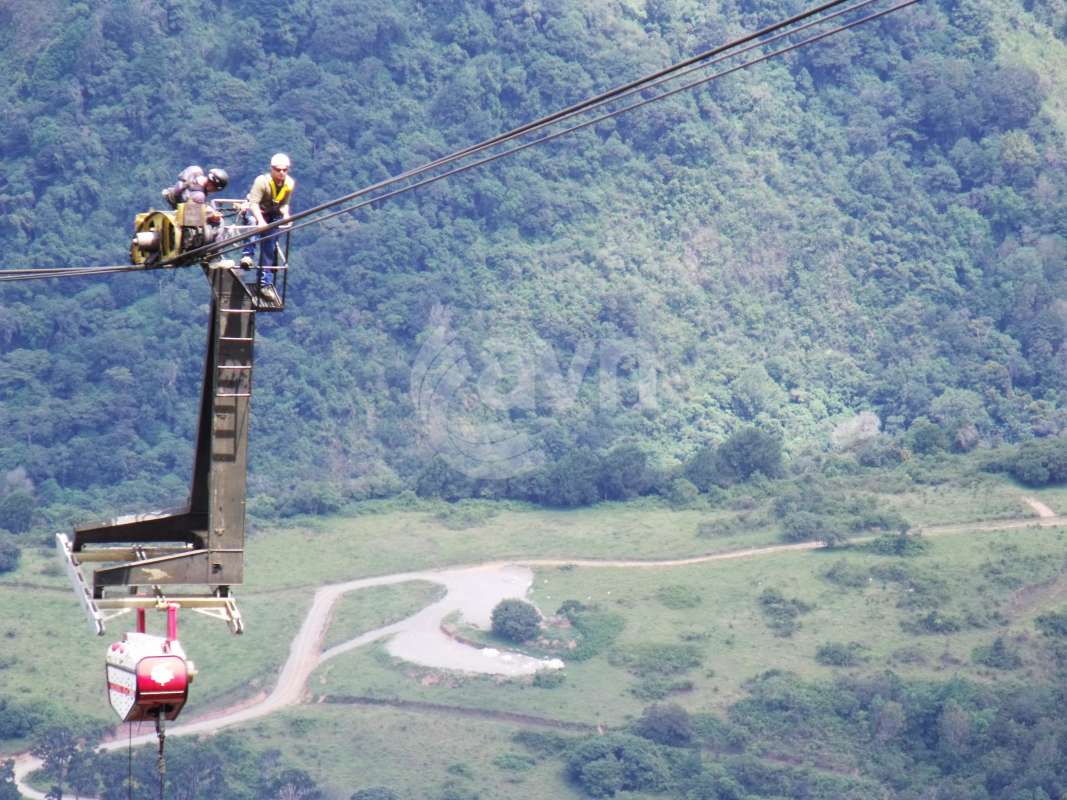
[473, 591]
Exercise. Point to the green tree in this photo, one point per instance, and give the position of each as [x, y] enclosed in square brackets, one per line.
[750, 451]
[1040, 463]
[56, 746]
[624, 472]
[604, 765]
[703, 468]
[8, 790]
[292, 784]
[1053, 624]
[516, 620]
[16, 511]
[803, 526]
[575, 480]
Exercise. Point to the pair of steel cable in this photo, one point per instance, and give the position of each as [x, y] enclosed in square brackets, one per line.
[420, 176]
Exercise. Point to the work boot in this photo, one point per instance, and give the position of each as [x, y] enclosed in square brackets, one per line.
[270, 294]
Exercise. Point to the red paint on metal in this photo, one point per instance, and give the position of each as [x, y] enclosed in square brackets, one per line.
[161, 678]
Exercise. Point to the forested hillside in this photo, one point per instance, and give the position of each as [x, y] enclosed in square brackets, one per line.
[877, 223]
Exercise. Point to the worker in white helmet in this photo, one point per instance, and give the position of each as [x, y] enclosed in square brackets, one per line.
[268, 201]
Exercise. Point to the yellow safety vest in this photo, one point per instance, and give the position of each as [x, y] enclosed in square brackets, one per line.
[279, 193]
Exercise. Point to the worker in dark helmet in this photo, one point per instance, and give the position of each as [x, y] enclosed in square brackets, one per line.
[268, 201]
[194, 185]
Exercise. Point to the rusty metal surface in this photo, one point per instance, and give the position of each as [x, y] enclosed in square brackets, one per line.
[207, 537]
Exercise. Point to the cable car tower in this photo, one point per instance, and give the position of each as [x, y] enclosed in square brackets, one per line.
[193, 556]
[190, 557]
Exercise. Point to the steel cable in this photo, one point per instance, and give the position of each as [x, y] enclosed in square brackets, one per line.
[643, 84]
[717, 55]
[588, 123]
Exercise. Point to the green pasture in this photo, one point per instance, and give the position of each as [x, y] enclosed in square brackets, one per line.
[331, 549]
[417, 754]
[377, 606]
[993, 583]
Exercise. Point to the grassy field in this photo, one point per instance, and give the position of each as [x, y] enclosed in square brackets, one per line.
[993, 583]
[416, 754]
[377, 606]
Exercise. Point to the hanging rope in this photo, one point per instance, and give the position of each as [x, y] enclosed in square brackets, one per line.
[161, 761]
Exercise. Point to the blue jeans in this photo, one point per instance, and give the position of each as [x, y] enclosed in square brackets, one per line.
[267, 242]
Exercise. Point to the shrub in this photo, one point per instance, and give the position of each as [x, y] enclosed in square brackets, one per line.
[513, 762]
[678, 597]
[667, 724]
[375, 793]
[658, 659]
[439, 479]
[802, 526]
[872, 519]
[683, 494]
[571, 609]
[16, 511]
[925, 437]
[846, 574]
[879, 452]
[604, 765]
[17, 720]
[1053, 624]
[549, 679]
[999, 655]
[465, 514]
[515, 620]
[745, 453]
[781, 613]
[837, 654]
[9, 556]
[717, 733]
[899, 544]
[310, 497]
[934, 622]
[656, 687]
[703, 469]
[546, 743]
[1040, 463]
[598, 630]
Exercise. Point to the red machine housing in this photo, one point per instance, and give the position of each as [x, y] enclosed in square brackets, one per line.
[148, 677]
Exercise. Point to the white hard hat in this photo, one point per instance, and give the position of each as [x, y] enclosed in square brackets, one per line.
[280, 160]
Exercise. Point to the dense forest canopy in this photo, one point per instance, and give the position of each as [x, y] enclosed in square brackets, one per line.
[874, 224]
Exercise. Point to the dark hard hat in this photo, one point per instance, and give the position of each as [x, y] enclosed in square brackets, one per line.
[218, 177]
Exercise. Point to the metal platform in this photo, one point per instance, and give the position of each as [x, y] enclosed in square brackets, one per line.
[190, 557]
